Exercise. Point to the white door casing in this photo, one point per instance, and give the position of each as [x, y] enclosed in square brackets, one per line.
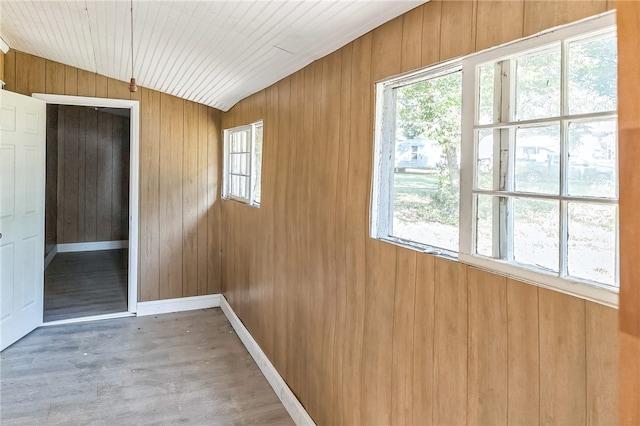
[22, 159]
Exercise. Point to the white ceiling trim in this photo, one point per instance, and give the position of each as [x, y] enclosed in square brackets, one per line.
[211, 52]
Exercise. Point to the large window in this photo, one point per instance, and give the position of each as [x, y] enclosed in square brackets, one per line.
[521, 140]
[243, 163]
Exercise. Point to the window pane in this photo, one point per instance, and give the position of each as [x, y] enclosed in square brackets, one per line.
[234, 185]
[239, 164]
[239, 186]
[537, 162]
[538, 86]
[484, 167]
[593, 159]
[239, 141]
[535, 233]
[592, 242]
[257, 165]
[426, 183]
[485, 108]
[592, 75]
[487, 205]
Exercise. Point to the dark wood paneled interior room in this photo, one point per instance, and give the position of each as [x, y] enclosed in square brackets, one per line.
[356, 213]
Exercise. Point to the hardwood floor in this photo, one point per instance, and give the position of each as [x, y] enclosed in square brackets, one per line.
[85, 283]
[187, 367]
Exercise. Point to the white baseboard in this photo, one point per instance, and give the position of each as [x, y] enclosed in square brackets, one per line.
[287, 397]
[95, 246]
[48, 258]
[178, 305]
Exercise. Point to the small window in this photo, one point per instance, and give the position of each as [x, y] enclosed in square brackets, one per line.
[243, 163]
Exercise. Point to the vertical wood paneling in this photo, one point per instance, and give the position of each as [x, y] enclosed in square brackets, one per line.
[213, 192]
[357, 188]
[540, 15]
[203, 202]
[117, 89]
[628, 19]
[10, 71]
[70, 80]
[510, 15]
[523, 361]
[2, 54]
[281, 279]
[116, 177]
[602, 364]
[60, 195]
[91, 180]
[432, 16]
[170, 219]
[54, 78]
[423, 341]
[150, 195]
[294, 357]
[403, 320]
[51, 181]
[82, 172]
[331, 122]
[450, 343]
[104, 176]
[70, 116]
[190, 201]
[412, 39]
[562, 358]
[487, 375]
[457, 28]
[86, 83]
[101, 86]
[381, 265]
[306, 384]
[342, 202]
[30, 74]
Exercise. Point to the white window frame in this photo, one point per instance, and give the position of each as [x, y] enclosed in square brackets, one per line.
[384, 161]
[252, 174]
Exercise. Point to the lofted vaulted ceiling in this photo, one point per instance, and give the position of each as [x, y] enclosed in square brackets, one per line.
[211, 52]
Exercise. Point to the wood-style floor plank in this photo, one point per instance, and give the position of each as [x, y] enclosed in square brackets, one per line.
[85, 283]
[186, 367]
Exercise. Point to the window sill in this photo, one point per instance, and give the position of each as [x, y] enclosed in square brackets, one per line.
[240, 201]
[584, 290]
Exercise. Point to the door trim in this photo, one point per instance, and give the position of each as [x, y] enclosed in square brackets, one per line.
[134, 174]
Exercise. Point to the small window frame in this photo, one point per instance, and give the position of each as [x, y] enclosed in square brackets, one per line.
[253, 167]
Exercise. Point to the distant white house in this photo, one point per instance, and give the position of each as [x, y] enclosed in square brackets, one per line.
[417, 153]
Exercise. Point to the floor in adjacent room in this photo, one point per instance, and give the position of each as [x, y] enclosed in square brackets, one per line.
[85, 283]
[187, 367]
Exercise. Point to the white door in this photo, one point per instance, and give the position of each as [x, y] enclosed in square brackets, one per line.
[22, 156]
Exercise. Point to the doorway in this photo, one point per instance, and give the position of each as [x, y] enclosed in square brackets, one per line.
[91, 216]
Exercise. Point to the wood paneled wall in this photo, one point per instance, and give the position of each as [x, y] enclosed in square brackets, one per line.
[51, 186]
[179, 210]
[629, 139]
[365, 332]
[93, 175]
[1, 65]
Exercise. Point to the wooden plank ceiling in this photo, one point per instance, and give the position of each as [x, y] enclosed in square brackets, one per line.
[212, 52]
